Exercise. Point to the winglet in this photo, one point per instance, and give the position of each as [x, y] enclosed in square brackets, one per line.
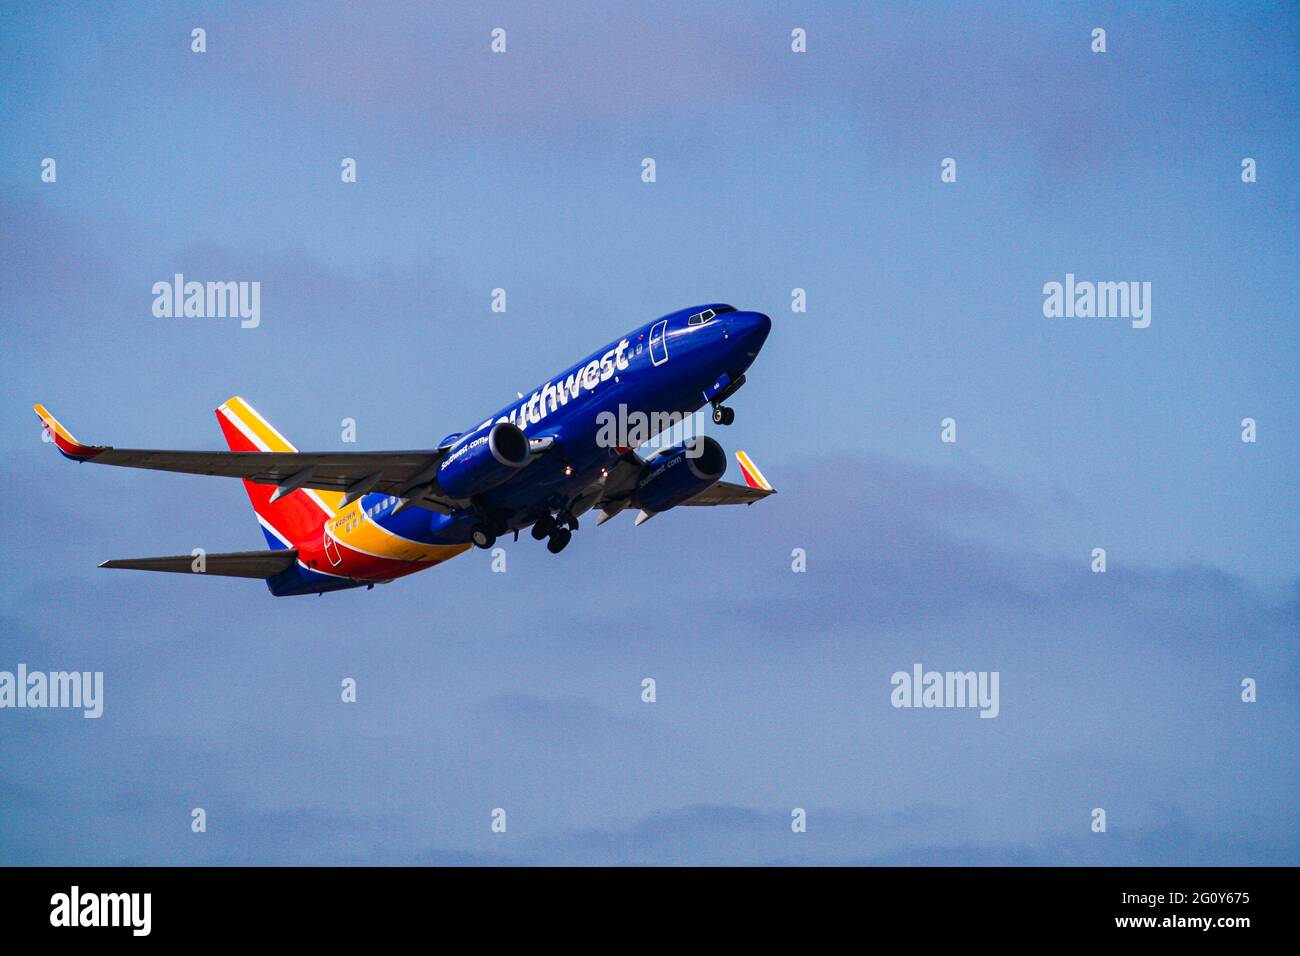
[753, 477]
[68, 446]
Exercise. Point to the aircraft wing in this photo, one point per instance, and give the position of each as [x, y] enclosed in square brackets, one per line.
[614, 492]
[754, 489]
[404, 474]
[726, 493]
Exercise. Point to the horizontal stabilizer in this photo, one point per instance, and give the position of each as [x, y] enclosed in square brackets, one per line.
[235, 564]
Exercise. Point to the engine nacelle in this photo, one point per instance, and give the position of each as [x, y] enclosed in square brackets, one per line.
[484, 462]
[674, 475]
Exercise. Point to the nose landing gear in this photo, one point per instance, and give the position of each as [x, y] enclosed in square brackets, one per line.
[722, 415]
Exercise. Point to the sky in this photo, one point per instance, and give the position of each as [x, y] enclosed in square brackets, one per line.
[774, 171]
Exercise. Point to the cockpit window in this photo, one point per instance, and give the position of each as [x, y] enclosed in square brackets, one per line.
[699, 318]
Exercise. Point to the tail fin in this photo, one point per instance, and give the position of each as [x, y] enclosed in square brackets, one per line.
[292, 517]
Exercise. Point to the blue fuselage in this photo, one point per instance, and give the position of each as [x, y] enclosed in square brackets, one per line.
[670, 365]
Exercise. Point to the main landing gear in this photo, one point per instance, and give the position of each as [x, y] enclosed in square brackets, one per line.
[560, 538]
[559, 530]
[722, 415]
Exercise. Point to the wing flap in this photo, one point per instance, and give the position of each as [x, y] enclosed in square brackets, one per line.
[725, 493]
[330, 470]
[235, 564]
[400, 472]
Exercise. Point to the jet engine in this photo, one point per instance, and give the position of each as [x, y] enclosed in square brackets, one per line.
[484, 462]
[679, 473]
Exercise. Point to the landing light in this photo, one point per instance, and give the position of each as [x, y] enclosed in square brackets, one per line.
[568, 471]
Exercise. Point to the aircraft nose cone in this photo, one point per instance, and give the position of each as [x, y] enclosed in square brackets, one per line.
[750, 330]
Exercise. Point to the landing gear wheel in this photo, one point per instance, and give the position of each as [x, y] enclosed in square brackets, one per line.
[482, 537]
[559, 539]
[722, 415]
[543, 528]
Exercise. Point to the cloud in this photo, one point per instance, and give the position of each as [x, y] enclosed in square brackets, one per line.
[522, 690]
[471, 698]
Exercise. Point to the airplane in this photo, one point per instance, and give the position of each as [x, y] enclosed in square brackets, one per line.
[337, 520]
